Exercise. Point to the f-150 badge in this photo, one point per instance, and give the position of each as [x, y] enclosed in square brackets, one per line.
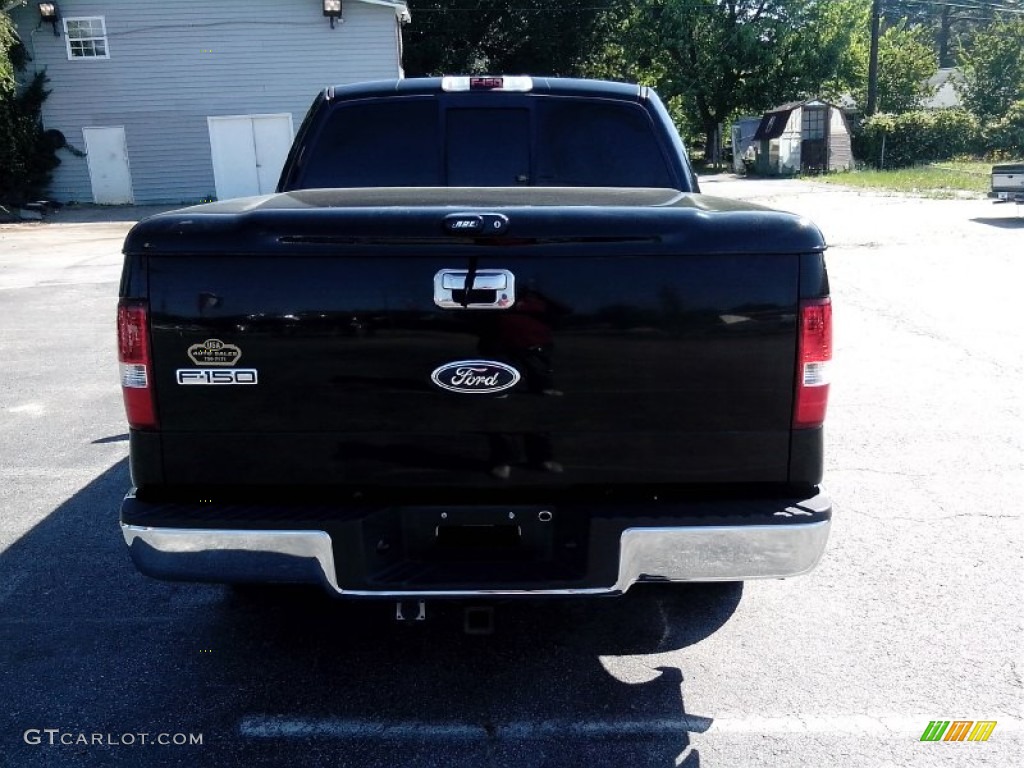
[216, 376]
[214, 352]
[475, 377]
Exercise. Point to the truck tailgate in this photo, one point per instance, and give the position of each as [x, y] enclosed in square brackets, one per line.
[308, 352]
[1008, 178]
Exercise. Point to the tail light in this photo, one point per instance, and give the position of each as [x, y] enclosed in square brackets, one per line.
[813, 356]
[136, 363]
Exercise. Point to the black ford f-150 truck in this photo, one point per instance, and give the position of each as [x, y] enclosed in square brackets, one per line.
[488, 338]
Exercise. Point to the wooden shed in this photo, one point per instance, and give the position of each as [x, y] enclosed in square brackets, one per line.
[810, 136]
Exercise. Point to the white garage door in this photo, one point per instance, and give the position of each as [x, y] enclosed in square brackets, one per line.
[107, 156]
[248, 153]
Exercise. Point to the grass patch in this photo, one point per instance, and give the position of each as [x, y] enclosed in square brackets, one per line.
[952, 179]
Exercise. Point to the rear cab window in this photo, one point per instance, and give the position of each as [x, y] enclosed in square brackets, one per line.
[542, 141]
[391, 143]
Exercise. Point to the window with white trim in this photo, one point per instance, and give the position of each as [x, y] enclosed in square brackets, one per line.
[86, 37]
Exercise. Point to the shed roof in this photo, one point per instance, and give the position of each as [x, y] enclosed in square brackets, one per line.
[773, 122]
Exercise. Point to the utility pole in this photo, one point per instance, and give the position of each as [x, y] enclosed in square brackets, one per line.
[876, 15]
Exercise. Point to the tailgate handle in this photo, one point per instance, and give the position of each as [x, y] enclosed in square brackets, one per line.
[485, 281]
[491, 289]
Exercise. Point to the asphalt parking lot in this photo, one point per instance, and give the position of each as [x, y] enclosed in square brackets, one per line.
[913, 615]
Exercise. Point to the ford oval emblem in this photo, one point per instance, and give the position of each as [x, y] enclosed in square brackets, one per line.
[475, 377]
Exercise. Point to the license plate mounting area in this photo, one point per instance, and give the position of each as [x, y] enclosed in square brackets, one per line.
[480, 533]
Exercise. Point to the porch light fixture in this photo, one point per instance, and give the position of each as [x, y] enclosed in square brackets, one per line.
[332, 10]
[50, 13]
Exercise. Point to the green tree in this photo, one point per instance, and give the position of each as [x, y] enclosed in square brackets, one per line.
[711, 58]
[994, 69]
[906, 60]
[8, 43]
[945, 22]
[502, 36]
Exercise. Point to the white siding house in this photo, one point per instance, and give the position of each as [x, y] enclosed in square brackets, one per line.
[179, 101]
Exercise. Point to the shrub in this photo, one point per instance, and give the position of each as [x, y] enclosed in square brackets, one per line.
[1007, 134]
[918, 137]
[27, 153]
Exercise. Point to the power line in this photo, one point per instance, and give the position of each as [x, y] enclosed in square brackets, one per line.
[699, 4]
[977, 5]
[965, 5]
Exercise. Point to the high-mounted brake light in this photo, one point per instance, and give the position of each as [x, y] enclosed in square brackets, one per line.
[516, 83]
[133, 353]
[813, 356]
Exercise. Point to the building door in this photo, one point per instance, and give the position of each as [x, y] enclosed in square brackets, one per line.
[107, 156]
[814, 135]
[248, 153]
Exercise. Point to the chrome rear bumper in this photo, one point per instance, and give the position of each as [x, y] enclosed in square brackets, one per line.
[691, 553]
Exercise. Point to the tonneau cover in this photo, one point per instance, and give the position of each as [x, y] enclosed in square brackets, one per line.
[680, 223]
